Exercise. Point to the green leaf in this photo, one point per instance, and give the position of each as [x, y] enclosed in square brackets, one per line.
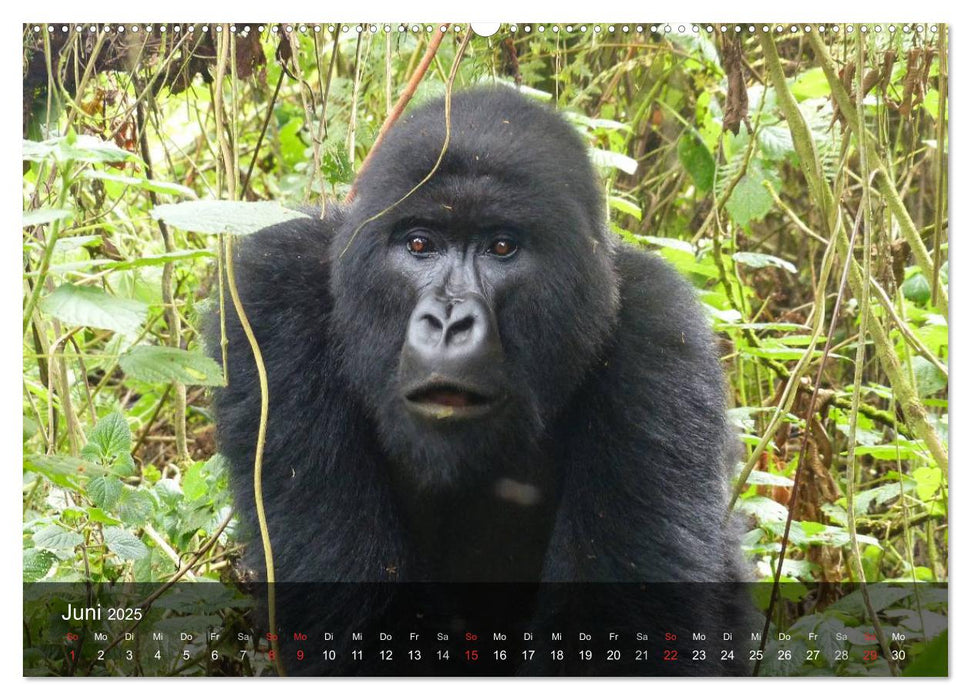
[156, 260]
[750, 201]
[625, 207]
[37, 564]
[881, 597]
[168, 491]
[82, 148]
[124, 543]
[697, 160]
[109, 443]
[142, 183]
[104, 491]
[194, 484]
[93, 307]
[807, 533]
[932, 661]
[775, 142]
[917, 289]
[928, 481]
[903, 448]
[154, 363]
[96, 515]
[672, 243]
[880, 495]
[234, 218]
[811, 528]
[757, 478]
[780, 353]
[136, 507]
[612, 159]
[591, 123]
[930, 379]
[46, 216]
[763, 509]
[63, 470]
[809, 84]
[57, 538]
[763, 260]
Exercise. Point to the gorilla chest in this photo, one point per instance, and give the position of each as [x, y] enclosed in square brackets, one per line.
[497, 532]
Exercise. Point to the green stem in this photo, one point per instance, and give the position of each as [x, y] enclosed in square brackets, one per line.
[45, 262]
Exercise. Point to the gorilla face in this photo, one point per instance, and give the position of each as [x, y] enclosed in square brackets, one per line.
[468, 307]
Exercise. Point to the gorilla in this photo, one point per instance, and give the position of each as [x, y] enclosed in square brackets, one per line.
[472, 381]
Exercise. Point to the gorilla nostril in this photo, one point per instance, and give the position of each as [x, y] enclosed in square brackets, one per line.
[432, 321]
[460, 331]
[430, 328]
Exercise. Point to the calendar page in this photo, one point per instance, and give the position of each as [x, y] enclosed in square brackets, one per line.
[450, 349]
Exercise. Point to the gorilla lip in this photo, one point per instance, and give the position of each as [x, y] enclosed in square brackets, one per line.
[448, 400]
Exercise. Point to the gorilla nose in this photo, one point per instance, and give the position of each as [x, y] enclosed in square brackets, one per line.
[451, 362]
[453, 331]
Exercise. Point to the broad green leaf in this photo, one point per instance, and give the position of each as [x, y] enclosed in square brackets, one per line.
[698, 44]
[763, 509]
[111, 436]
[932, 662]
[57, 538]
[591, 123]
[168, 491]
[810, 528]
[917, 289]
[96, 515]
[776, 142]
[759, 478]
[903, 448]
[155, 260]
[762, 260]
[881, 597]
[136, 507]
[799, 341]
[124, 543]
[781, 353]
[672, 243]
[930, 380]
[68, 244]
[93, 307]
[697, 160]
[626, 207]
[142, 183]
[935, 337]
[82, 148]
[63, 470]
[104, 491]
[37, 563]
[155, 363]
[928, 481]
[750, 201]
[807, 533]
[194, 484]
[109, 444]
[46, 216]
[612, 159]
[234, 218]
[809, 84]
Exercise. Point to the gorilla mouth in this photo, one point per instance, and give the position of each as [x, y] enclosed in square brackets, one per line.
[446, 400]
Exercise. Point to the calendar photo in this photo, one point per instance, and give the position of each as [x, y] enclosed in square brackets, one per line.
[437, 349]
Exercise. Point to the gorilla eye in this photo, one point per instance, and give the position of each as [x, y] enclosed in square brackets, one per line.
[420, 245]
[503, 248]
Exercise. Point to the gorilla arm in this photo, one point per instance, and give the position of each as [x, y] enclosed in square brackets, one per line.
[645, 465]
[319, 456]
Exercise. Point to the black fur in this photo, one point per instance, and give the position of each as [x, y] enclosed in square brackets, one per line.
[608, 462]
